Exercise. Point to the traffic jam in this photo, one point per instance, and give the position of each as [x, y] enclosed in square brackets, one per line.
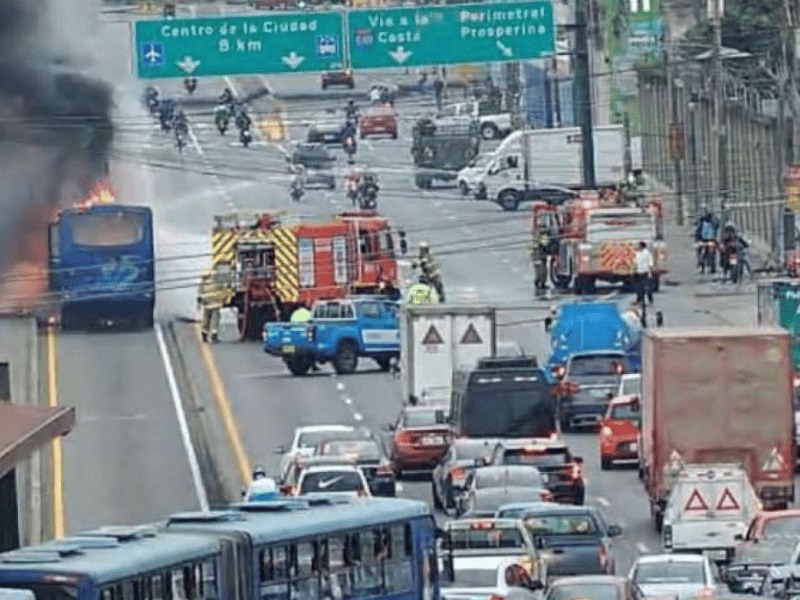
[485, 422]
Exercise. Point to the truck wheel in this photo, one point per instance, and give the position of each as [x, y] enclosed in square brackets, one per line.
[298, 365]
[437, 503]
[462, 186]
[605, 464]
[509, 200]
[385, 363]
[346, 359]
[489, 131]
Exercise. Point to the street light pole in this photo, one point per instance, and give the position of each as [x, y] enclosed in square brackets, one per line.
[584, 88]
[717, 83]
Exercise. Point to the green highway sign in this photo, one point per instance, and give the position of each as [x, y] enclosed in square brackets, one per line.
[450, 34]
[274, 43]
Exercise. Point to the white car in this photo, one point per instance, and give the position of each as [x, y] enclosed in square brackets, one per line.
[475, 578]
[681, 576]
[469, 178]
[307, 438]
[345, 480]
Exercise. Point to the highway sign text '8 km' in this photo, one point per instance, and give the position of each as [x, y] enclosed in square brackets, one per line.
[274, 43]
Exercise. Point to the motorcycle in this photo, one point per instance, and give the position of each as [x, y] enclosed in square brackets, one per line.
[190, 83]
[151, 100]
[245, 137]
[222, 120]
[367, 200]
[350, 149]
[707, 256]
[296, 190]
[734, 266]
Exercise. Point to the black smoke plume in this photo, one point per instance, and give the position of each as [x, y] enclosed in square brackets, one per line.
[55, 139]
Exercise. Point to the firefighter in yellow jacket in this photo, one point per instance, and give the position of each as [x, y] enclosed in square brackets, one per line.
[211, 299]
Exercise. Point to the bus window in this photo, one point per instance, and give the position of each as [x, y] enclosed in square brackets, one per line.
[398, 569]
[275, 575]
[305, 584]
[107, 229]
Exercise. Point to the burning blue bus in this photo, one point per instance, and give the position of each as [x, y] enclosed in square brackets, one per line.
[102, 267]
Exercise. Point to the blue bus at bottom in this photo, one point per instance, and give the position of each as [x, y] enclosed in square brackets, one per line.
[102, 266]
[292, 549]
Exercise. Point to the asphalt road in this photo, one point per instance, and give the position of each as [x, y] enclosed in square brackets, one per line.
[483, 256]
[482, 252]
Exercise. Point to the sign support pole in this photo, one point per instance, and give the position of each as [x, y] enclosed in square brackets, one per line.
[584, 89]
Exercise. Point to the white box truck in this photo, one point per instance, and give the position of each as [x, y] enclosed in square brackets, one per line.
[436, 340]
[539, 163]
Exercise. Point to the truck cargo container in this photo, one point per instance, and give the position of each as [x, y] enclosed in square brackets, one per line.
[717, 395]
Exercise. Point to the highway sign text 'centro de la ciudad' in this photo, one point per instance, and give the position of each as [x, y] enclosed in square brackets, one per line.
[315, 41]
[278, 43]
[451, 34]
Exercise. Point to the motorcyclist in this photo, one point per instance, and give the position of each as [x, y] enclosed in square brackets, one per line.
[351, 111]
[368, 191]
[353, 182]
[728, 243]
[706, 237]
[297, 186]
[181, 126]
[222, 118]
[243, 120]
[429, 270]
[151, 99]
[190, 83]
[226, 97]
[166, 113]
[349, 146]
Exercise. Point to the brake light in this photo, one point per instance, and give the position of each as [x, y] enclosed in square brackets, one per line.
[576, 472]
[606, 431]
[457, 473]
[384, 470]
[496, 597]
[775, 462]
[534, 448]
[406, 437]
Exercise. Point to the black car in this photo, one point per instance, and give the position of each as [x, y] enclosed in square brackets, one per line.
[318, 163]
[368, 455]
[328, 131]
[552, 457]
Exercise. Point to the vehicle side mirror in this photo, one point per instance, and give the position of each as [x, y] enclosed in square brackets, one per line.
[286, 490]
[535, 585]
[281, 450]
[389, 427]
[578, 459]
[614, 531]
[738, 537]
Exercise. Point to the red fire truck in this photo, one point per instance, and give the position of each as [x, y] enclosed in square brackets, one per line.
[597, 239]
[275, 263]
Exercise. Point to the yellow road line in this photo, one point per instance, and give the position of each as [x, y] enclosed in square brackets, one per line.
[58, 466]
[224, 407]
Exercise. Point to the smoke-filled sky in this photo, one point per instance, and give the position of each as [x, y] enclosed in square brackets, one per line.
[55, 127]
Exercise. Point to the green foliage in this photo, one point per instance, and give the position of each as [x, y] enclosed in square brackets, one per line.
[752, 26]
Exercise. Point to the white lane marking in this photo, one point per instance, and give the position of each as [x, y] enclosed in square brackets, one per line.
[358, 417]
[339, 386]
[398, 487]
[451, 217]
[641, 547]
[466, 230]
[111, 418]
[505, 260]
[603, 502]
[223, 190]
[348, 401]
[183, 426]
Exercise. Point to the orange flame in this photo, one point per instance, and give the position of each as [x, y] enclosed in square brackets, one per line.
[101, 193]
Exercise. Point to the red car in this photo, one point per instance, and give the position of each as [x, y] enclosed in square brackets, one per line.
[378, 120]
[420, 438]
[784, 524]
[619, 431]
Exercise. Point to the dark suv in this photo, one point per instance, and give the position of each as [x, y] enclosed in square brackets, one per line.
[562, 471]
[338, 77]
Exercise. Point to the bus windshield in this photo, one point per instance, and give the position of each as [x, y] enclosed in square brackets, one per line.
[107, 229]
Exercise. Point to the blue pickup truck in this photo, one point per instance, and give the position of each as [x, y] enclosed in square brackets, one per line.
[339, 332]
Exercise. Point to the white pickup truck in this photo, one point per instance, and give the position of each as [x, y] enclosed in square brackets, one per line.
[709, 507]
[492, 126]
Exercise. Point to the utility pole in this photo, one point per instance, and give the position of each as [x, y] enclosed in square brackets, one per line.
[584, 90]
[717, 83]
[513, 93]
[676, 133]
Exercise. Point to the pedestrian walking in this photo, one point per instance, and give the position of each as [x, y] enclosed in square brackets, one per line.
[643, 270]
[438, 90]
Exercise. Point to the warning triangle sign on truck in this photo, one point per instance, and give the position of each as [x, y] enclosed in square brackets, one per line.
[696, 501]
[432, 337]
[471, 336]
[727, 501]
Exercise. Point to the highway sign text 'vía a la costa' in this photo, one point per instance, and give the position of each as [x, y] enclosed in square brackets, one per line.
[313, 41]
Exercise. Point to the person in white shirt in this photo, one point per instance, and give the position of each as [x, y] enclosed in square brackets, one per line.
[643, 269]
[633, 318]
